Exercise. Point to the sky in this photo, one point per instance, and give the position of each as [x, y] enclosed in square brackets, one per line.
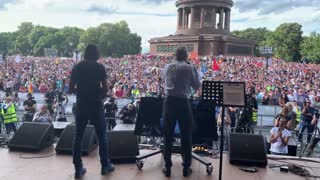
[152, 18]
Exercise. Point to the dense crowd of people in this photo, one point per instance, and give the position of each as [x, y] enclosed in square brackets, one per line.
[140, 75]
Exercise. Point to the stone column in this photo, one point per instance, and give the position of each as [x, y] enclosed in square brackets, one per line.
[214, 17]
[221, 19]
[227, 20]
[202, 18]
[193, 10]
[184, 18]
[179, 19]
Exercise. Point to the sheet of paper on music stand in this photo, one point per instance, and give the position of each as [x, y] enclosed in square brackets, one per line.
[234, 94]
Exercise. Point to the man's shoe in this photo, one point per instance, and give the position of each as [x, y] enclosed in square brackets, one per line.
[187, 172]
[106, 169]
[166, 172]
[80, 172]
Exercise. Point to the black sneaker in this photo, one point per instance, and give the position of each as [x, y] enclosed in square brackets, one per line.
[80, 172]
[187, 172]
[166, 172]
[106, 169]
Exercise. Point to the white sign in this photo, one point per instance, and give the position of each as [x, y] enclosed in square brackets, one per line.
[233, 94]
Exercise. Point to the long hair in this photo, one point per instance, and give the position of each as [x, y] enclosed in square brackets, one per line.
[92, 53]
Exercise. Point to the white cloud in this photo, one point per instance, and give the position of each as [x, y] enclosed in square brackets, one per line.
[149, 18]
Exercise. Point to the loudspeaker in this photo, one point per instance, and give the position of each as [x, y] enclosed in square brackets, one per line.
[89, 140]
[123, 144]
[32, 137]
[247, 149]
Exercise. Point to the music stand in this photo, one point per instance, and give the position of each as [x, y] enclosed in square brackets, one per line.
[223, 94]
[156, 131]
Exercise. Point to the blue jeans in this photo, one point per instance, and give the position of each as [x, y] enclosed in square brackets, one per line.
[96, 116]
[303, 126]
[11, 127]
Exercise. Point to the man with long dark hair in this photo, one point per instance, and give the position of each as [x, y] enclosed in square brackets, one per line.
[179, 78]
[88, 81]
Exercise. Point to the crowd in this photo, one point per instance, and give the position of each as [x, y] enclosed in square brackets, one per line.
[293, 86]
[141, 75]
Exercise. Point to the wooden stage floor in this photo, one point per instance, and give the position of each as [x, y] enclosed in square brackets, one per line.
[60, 167]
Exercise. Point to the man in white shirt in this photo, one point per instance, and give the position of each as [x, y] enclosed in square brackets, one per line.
[279, 138]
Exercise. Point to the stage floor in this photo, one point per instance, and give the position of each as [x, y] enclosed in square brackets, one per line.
[60, 167]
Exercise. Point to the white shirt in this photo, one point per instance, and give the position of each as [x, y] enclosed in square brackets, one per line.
[278, 146]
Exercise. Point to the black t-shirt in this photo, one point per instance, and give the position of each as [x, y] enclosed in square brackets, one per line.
[110, 110]
[29, 103]
[87, 75]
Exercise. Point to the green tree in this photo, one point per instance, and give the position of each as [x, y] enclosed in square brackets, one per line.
[113, 40]
[286, 40]
[258, 35]
[310, 47]
[37, 32]
[6, 43]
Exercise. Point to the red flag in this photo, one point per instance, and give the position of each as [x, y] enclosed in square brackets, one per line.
[215, 66]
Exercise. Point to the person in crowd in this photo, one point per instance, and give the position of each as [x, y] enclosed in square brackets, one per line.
[300, 97]
[110, 110]
[275, 97]
[16, 100]
[232, 112]
[43, 115]
[315, 139]
[306, 118]
[280, 138]
[128, 114]
[283, 100]
[179, 77]
[30, 106]
[49, 99]
[227, 124]
[266, 97]
[9, 115]
[283, 114]
[60, 102]
[89, 82]
[291, 116]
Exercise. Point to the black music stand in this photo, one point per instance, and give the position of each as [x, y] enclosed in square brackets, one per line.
[223, 94]
[155, 115]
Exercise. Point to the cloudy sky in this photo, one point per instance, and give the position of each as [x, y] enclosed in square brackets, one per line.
[152, 18]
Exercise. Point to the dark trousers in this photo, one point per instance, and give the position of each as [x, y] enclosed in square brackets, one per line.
[11, 127]
[177, 109]
[303, 126]
[96, 117]
[111, 123]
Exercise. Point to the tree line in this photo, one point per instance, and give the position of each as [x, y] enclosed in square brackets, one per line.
[113, 40]
[287, 41]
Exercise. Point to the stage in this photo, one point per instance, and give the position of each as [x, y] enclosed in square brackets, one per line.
[59, 167]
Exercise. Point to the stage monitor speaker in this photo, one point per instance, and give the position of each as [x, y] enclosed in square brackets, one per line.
[247, 149]
[123, 144]
[32, 137]
[89, 140]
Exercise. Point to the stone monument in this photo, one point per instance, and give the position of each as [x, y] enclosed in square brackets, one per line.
[203, 27]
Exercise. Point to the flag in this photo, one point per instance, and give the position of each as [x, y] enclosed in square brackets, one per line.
[259, 64]
[215, 66]
[30, 88]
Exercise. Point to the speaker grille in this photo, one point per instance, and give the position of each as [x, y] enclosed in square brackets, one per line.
[247, 149]
[32, 136]
[89, 141]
